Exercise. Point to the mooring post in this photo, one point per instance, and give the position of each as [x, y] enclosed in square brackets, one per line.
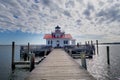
[83, 60]
[28, 51]
[93, 47]
[32, 61]
[45, 53]
[97, 46]
[85, 42]
[88, 42]
[13, 53]
[91, 42]
[108, 56]
[70, 52]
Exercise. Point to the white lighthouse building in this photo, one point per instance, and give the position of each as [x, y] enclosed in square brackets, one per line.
[58, 38]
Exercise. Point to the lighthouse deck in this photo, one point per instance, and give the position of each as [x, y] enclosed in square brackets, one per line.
[58, 65]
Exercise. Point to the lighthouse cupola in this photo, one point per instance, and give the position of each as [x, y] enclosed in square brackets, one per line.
[57, 29]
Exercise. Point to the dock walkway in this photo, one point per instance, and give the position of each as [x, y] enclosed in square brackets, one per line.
[58, 65]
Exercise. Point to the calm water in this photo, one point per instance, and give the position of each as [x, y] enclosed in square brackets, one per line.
[97, 66]
[5, 64]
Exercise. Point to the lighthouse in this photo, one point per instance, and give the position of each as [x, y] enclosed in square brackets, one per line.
[58, 38]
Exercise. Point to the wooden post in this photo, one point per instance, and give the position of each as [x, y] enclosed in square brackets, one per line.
[13, 52]
[28, 51]
[88, 42]
[85, 43]
[45, 53]
[108, 56]
[97, 46]
[93, 47]
[32, 61]
[70, 52]
[91, 42]
[83, 60]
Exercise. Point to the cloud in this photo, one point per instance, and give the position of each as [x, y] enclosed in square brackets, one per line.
[89, 18]
[110, 14]
[89, 9]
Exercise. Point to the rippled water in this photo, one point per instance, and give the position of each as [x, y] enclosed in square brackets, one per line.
[98, 66]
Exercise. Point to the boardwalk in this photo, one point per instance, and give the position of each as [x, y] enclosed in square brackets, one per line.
[58, 65]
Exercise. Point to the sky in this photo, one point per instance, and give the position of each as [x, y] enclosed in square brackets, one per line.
[26, 21]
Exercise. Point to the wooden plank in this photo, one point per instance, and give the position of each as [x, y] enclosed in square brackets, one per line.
[58, 65]
[27, 62]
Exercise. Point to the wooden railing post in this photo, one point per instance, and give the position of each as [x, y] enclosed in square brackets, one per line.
[13, 53]
[32, 61]
[91, 42]
[45, 53]
[70, 52]
[83, 60]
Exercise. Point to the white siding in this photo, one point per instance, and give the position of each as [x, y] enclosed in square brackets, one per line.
[54, 42]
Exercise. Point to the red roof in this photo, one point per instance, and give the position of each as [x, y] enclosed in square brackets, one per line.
[49, 36]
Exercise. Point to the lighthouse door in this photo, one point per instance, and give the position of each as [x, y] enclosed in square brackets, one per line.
[58, 43]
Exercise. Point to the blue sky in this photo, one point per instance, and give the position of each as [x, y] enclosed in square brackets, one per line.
[83, 19]
[20, 38]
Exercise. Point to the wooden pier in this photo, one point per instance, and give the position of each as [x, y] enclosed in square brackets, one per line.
[58, 65]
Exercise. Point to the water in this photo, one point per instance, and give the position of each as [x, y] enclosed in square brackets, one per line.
[97, 66]
[5, 64]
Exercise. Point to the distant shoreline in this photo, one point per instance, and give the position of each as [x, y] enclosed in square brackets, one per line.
[22, 45]
[109, 43]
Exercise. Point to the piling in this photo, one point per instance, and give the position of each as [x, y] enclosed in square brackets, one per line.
[28, 50]
[97, 46]
[91, 42]
[108, 56]
[13, 52]
[45, 53]
[83, 60]
[32, 61]
[88, 42]
[93, 47]
[70, 52]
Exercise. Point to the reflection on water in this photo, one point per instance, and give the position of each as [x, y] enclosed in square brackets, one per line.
[98, 65]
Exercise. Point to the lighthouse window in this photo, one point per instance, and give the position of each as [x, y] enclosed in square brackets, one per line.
[48, 42]
[51, 41]
[65, 42]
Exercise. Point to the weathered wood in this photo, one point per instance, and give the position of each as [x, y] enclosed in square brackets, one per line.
[91, 42]
[83, 60]
[45, 53]
[108, 56]
[32, 61]
[58, 65]
[13, 53]
[70, 52]
[88, 42]
[27, 62]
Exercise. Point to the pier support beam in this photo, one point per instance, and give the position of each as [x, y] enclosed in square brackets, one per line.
[13, 52]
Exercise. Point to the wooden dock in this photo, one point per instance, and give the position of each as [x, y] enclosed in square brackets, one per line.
[58, 65]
